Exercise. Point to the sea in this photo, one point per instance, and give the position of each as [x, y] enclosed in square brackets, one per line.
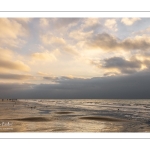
[75, 115]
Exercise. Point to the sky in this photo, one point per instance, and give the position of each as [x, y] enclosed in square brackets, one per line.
[75, 58]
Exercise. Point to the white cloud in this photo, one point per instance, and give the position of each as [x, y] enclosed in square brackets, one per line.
[45, 55]
[88, 22]
[111, 24]
[23, 20]
[12, 32]
[11, 29]
[79, 35]
[49, 39]
[59, 43]
[44, 22]
[129, 21]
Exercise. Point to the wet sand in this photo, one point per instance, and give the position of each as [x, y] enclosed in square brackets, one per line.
[74, 116]
[64, 112]
[33, 119]
[103, 119]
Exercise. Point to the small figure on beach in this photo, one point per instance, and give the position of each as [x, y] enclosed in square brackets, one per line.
[33, 107]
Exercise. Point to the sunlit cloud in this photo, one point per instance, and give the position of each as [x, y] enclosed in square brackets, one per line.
[65, 22]
[64, 52]
[13, 32]
[6, 53]
[15, 77]
[80, 35]
[111, 24]
[51, 39]
[58, 43]
[17, 43]
[9, 61]
[60, 78]
[129, 21]
[13, 65]
[11, 29]
[42, 73]
[23, 20]
[90, 22]
[108, 42]
[44, 22]
[44, 56]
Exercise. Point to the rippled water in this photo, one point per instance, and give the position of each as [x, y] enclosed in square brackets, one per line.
[75, 115]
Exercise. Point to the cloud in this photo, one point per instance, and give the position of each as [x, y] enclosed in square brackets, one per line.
[42, 73]
[49, 39]
[108, 42]
[129, 21]
[117, 87]
[70, 49]
[10, 90]
[53, 79]
[45, 55]
[59, 43]
[137, 43]
[12, 32]
[114, 66]
[44, 22]
[58, 24]
[9, 42]
[79, 35]
[104, 41]
[90, 24]
[145, 31]
[63, 22]
[59, 79]
[120, 65]
[6, 53]
[15, 77]
[111, 24]
[123, 65]
[9, 61]
[91, 21]
[11, 29]
[111, 74]
[23, 20]
[13, 65]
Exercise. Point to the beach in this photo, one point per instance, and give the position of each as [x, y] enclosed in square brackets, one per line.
[74, 115]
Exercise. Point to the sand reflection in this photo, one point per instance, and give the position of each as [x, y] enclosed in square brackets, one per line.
[102, 119]
[74, 116]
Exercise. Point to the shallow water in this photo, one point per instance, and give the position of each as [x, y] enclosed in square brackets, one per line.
[75, 115]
